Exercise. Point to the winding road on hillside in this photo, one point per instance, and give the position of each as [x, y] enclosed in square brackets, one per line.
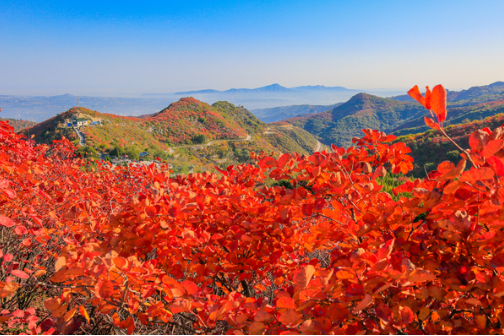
[82, 137]
[319, 146]
[171, 149]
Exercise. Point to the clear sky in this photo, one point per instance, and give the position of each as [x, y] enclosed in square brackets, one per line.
[126, 48]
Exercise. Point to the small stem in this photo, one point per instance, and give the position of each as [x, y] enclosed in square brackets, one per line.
[460, 148]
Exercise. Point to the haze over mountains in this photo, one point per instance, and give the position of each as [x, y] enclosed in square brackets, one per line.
[39, 108]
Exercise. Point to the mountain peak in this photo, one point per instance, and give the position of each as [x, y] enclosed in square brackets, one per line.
[274, 87]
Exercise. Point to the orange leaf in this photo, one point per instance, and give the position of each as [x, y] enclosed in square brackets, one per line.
[262, 316]
[290, 318]
[7, 288]
[345, 274]
[438, 102]
[52, 304]
[364, 303]
[60, 263]
[285, 302]
[256, 328]
[455, 172]
[120, 262]
[180, 305]
[84, 313]
[69, 314]
[104, 289]
[420, 275]
[302, 276]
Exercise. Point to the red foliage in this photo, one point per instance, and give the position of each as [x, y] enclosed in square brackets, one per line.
[227, 254]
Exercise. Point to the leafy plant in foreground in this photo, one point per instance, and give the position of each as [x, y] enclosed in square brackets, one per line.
[132, 250]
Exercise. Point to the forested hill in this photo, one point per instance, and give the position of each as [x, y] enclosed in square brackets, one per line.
[188, 132]
[18, 124]
[340, 124]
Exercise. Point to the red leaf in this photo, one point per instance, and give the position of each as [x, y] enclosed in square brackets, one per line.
[6, 221]
[477, 140]
[492, 147]
[431, 123]
[190, 287]
[407, 315]
[496, 164]
[477, 174]
[20, 230]
[415, 94]
[10, 193]
[283, 160]
[4, 183]
[406, 187]
[307, 209]
[267, 162]
[151, 211]
[20, 274]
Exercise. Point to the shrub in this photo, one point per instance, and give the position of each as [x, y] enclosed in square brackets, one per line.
[133, 250]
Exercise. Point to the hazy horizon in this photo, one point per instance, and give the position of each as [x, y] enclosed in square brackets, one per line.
[126, 49]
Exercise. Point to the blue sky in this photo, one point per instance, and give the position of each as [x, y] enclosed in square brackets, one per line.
[126, 48]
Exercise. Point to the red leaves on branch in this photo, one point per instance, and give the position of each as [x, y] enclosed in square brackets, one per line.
[328, 252]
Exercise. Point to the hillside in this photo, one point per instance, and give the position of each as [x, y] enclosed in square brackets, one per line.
[186, 133]
[269, 115]
[339, 125]
[431, 148]
[18, 124]
[455, 115]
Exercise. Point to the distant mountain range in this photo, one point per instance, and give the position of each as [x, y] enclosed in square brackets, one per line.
[39, 108]
[270, 88]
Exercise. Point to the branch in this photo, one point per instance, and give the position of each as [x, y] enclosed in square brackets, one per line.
[459, 148]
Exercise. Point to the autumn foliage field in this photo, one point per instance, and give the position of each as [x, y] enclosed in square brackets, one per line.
[131, 250]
